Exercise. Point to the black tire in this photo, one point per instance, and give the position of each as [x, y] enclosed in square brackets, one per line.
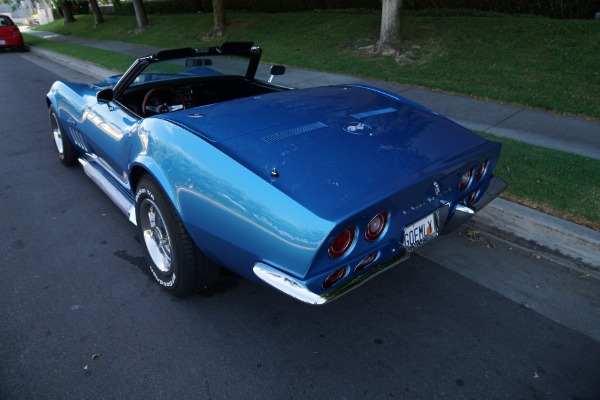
[67, 153]
[175, 261]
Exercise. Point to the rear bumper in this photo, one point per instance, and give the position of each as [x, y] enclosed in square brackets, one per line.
[300, 291]
[12, 42]
[463, 213]
[11, 39]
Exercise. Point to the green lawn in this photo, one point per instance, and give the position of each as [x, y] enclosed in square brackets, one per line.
[105, 58]
[558, 183]
[536, 62]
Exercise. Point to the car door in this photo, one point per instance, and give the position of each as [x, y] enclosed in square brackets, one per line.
[108, 128]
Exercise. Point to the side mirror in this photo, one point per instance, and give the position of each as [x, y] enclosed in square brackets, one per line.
[105, 96]
[276, 70]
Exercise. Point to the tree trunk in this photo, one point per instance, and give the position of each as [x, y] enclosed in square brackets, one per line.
[218, 29]
[98, 18]
[390, 24]
[67, 11]
[219, 16]
[140, 15]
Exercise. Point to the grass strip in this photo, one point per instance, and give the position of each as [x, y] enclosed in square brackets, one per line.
[558, 183]
[105, 58]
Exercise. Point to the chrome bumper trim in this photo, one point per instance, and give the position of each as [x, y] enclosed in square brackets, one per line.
[463, 213]
[298, 290]
[287, 284]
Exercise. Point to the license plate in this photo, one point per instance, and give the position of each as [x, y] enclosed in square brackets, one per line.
[419, 232]
[2, 42]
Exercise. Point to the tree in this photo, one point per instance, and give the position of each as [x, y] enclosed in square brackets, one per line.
[67, 11]
[389, 34]
[98, 18]
[218, 29]
[140, 16]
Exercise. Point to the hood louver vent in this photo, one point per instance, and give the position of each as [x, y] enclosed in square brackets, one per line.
[294, 132]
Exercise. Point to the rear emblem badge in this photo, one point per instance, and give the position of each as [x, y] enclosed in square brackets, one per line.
[358, 128]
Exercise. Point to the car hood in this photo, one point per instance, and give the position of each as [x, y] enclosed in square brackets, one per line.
[331, 147]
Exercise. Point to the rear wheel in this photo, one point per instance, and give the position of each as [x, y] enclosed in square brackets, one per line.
[175, 261]
[67, 153]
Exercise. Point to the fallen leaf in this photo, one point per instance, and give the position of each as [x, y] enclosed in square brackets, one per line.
[472, 234]
[584, 276]
[535, 374]
[96, 355]
[86, 367]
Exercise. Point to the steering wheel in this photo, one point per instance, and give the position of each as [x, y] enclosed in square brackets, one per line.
[162, 99]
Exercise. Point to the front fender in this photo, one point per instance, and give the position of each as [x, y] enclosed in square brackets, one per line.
[71, 99]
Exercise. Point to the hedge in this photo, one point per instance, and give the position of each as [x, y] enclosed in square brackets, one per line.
[546, 8]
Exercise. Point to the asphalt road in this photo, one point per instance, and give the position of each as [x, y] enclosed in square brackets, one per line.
[80, 317]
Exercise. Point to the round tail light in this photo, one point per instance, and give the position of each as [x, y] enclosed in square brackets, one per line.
[472, 197]
[481, 170]
[366, 261]
[334, 277]
[376, 226]
[465, 180]
[342, 243]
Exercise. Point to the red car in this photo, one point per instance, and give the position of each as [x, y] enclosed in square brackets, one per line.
[10, 35]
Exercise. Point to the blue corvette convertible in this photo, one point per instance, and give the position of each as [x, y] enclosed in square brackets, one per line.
[310, 191]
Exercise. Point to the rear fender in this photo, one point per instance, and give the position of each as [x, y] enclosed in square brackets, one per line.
[235, 217]
[71, 101]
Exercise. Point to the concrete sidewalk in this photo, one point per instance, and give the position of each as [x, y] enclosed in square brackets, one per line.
[528, 226]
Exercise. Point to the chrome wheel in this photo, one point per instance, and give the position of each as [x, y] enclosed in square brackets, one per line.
[156, 235]
[58, 141]
[67, 153]
[175, 261]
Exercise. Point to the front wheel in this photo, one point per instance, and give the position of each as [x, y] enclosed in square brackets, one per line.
[175, 261]
[67, 153]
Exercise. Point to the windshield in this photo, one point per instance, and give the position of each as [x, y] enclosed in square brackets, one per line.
[198, 66]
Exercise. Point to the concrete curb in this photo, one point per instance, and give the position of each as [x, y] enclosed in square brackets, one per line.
[512, 221]
[544, 231]
[83, 67]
